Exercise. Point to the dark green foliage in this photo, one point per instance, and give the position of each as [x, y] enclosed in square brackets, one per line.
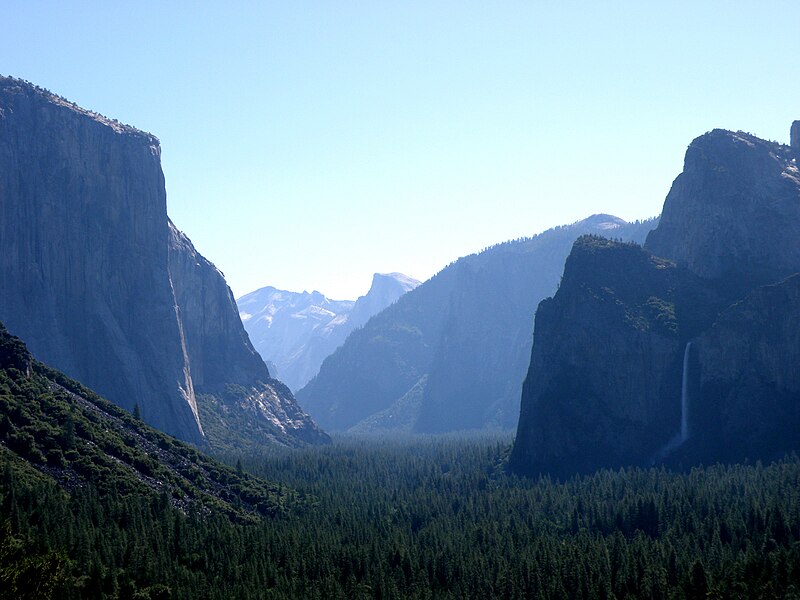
[373, 518]
[25, 574]
[438, 519]
[433, 518]
[79, 439]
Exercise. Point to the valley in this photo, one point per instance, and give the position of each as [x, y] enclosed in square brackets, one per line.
[605, 409]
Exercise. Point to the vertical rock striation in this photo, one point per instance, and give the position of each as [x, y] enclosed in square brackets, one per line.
[84, 274]
[91, 270]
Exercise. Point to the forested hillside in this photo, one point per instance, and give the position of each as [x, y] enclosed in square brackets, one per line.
[60, 431]
[435, 518]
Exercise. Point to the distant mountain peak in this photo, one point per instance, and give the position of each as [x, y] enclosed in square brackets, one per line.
[408, 282]
[601, 221]
[296, 331]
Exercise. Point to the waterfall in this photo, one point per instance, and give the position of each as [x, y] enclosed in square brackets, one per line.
[685, 395]
[682, 435]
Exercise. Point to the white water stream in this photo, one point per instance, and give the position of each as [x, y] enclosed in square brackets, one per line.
[682, 435]
[685, 395]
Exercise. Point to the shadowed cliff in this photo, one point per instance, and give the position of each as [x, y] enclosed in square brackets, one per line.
[604, 387]
[99, 284]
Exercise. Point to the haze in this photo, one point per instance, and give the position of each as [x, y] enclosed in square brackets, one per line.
[306, 147]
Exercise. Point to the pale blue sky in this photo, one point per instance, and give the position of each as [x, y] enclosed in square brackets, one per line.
[307, 145]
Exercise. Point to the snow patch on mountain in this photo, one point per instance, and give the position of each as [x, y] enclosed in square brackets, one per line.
[296, 331]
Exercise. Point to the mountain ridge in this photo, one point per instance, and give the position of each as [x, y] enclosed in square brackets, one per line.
[68, 434]
[461, 341]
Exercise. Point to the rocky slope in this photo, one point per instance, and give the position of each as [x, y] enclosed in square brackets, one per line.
[100, 285]
[297, 331]
[608, 385]
[451, 354]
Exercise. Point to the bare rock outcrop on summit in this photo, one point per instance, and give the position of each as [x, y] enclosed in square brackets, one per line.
[734, 212]
[97, 282]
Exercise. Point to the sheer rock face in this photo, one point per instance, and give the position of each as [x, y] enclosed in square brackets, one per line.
[605, 381]
[86, 254]
[221, 357]
[84, 275]
[748, 377]
[218, 347]
[734, 212]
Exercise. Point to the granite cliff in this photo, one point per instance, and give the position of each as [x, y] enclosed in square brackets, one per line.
[733, 213]
[676, 351]
[746, 377]
[100, 285]
[604, 383]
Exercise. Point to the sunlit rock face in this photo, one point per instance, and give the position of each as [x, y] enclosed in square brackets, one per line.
[604, 383]
[795, 137]
[94, 278]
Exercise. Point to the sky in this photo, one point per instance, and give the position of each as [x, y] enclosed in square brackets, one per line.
[308, 145]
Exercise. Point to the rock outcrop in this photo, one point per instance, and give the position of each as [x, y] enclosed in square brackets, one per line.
[96, 280]
[609, 385]
[734, 212]
[451, 355]
[297, 331]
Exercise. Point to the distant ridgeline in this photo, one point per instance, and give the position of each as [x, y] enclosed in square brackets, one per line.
[100, 284]
[451, 354]
[686, 350]
[295, 331]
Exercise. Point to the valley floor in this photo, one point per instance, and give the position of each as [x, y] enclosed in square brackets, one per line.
[425, 518]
